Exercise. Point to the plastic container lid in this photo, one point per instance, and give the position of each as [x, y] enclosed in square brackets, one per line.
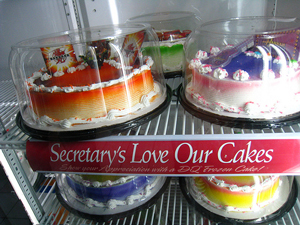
[244, 72]
[88, 79]
[105, 197]
[241, 199]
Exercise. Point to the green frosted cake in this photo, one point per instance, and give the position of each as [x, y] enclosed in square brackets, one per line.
[171, 49]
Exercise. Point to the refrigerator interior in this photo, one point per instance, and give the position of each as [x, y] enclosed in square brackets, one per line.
[25, 19]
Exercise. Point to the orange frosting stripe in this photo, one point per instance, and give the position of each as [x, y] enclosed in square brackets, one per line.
[93, 103]
[84, 77]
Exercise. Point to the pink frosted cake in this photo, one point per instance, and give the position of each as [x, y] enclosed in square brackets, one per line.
[262, 82]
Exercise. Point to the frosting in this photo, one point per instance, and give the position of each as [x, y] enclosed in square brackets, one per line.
[111, 115]
[45, 76]
[241, 75]
[173, 42]
[42, 88]
[263, 68]
[202, 55]
[202, 68]
[58, 74]
[267, 74]
[258, 83]
[234, 188]
[214, 50]
[195, 63]
[220, 73]
[113, 203]
[97, 184]
[176, 67]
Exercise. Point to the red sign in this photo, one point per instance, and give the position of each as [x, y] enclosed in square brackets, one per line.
[172, 157]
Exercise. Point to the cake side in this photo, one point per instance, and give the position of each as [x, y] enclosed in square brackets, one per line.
[104, 94]
[111, 194]
[171, 49]
[223, 195]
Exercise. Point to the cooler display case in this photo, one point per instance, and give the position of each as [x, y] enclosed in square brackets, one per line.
[253, 151]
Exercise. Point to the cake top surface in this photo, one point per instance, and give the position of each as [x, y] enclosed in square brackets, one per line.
[167, 35]
[255, 63]
[242, 183]
[244, 180]
[79, 76]
[101, 180]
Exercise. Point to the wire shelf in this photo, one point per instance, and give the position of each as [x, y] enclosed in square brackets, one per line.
[174, 121]
[171, 208]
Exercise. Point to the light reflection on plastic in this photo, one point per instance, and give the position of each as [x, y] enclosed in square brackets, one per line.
[113, 11]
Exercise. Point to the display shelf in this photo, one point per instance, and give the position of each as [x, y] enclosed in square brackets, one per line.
[175, 122]
[170, 209]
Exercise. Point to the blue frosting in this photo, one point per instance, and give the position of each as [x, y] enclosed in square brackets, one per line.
[252, 65]
[118, 192]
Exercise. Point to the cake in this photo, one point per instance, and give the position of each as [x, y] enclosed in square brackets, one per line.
[172, 29]
[110, 192]
[171, 49]
[96, 88]
[248, 80]
[236, 193]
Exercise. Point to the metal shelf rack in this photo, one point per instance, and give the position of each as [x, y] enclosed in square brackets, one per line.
[42, 205]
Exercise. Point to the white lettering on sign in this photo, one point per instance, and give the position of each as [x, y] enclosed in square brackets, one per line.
[243, 155]
[186, 157]
[85, 155]
[149, 156]
[196, 156]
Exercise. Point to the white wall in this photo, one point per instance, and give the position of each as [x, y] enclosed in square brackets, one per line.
[288, 8]
[23, 19]
[99, 12]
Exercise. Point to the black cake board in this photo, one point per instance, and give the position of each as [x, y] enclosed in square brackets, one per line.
[87, 134]
[285, 208]
[169, 75]
[243, 123]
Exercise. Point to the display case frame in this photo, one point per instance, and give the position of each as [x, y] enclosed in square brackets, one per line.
[43, 206]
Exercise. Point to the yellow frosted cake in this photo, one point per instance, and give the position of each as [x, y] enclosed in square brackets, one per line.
[236, 193]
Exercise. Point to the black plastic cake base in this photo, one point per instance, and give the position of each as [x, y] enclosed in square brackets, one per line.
[106, 218]
[285, 208]
[169, 75]
[94, 133]
[243, 123]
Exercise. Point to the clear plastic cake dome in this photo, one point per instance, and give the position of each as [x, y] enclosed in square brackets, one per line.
[106, 197]
[172, 29]
[258, 199]
[244, 72]
[97, 80]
